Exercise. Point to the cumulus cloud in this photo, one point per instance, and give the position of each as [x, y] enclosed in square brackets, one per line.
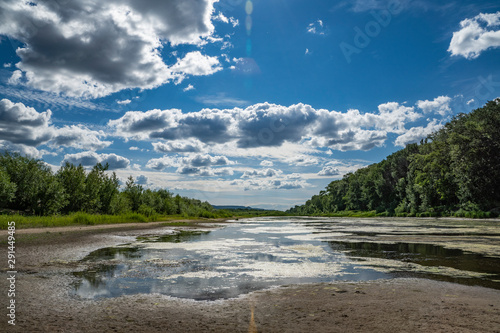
[23, 125]
[266, 163]
[214, 172]
[329, 171]
[440, 105]
[179, 146]
[196, 64]
[79, 137]
[476, 35]
[415, 134]
[206, 160]
[302, 160]
[268, 125]
[162, 163]
[20, 124]
[90, 158]
[142, 180]
[195, 161]
[261, 173]
[271, 184]
[20, 148]
[94, 48]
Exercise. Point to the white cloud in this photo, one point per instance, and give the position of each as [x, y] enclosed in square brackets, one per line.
[218, 172]
[188, 88]
[90, 158]
[266, 126]
[476, 36]
[221, 100]
[415, 134]
[196, 64]
[272, 184]
[94, 48]
[252, 173]
[329, 171]
[124, 102]
[317, 28]
[162, 163]
[79, 137]
[303, 160]
[142, 180]
[234, 22]
[440, 105]
[15, 78]
[266, 163]
[191, 162]
[178, 146]
[22, 125]
[20, 148]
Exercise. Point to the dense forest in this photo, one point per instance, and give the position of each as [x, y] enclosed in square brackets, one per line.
[29, 187]
[453, 172]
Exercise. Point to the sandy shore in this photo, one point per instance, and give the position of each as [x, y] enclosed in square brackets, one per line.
[44, 304]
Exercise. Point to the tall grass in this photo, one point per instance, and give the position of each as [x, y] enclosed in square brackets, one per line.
[76, 219]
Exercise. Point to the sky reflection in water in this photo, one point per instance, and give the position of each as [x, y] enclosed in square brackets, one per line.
[260, 253]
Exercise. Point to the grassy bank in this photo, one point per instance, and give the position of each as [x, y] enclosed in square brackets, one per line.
[23, 221]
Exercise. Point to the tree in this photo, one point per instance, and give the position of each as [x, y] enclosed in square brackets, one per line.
[134, 193]
[73, 180]
[7, 189]
[457, 167]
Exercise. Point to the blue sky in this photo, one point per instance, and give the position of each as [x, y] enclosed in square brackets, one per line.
[258, 103]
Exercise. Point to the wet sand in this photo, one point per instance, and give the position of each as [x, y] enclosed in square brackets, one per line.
[44, 303]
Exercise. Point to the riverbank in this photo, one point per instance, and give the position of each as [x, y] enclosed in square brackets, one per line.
[44, 302]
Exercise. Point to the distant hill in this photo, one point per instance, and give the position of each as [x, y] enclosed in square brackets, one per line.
[453, 172]
[237, 207]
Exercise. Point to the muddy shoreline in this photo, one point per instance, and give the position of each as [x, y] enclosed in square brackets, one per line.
[44, 303]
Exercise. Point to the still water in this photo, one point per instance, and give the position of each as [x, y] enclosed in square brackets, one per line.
[259, 253]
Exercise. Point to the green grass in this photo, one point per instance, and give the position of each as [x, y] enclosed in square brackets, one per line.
[77, 219]
[74, 219]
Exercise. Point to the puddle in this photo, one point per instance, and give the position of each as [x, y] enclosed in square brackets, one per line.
[260, 253]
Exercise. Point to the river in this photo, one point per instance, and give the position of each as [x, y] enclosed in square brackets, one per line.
[225, 261]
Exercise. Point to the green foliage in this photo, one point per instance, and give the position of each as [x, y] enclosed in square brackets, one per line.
[7, 188]
[29, 186]
[455, 171]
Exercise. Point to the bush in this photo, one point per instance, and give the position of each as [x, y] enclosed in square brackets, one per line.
[83, 218]
[146, 210]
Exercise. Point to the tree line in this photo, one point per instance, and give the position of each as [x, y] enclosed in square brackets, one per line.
[28, 186]
[454, 171]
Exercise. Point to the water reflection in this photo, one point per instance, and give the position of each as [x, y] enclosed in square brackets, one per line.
[259, 253]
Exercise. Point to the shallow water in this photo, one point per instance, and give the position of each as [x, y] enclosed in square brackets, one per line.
[260, 253]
